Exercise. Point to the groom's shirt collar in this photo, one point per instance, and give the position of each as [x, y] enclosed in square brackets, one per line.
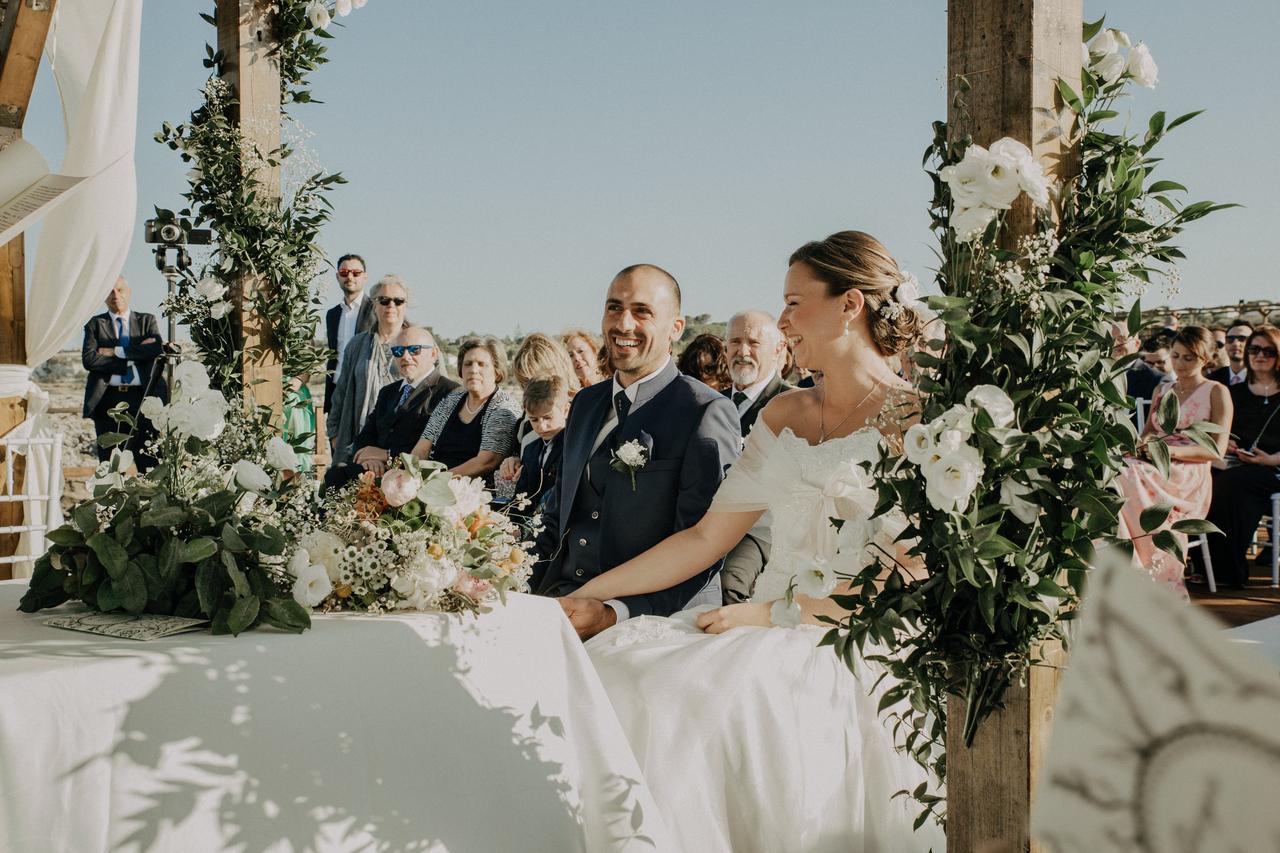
[633, 389]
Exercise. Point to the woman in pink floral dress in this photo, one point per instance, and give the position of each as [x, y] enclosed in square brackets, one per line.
[1189, 486]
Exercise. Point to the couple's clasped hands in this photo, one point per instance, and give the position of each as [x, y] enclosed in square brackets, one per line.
[590, 616]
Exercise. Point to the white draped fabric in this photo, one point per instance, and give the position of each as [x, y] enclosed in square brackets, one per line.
[419, 731]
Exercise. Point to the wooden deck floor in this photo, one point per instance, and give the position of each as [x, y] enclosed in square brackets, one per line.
[1258, 600]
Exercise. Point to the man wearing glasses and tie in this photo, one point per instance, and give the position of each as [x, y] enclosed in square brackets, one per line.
[122, 351]
[342, 322]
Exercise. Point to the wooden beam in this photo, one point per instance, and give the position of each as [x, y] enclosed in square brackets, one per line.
[1010, 53]
[246, 39]
[23, 29]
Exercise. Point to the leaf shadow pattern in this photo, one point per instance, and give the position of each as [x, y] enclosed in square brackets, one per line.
[1164, 735]
[365, 736]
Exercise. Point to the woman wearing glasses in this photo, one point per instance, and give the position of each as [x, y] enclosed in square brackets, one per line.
[366, 367]
[1242, 490]
[474, 428]
[1188, 487]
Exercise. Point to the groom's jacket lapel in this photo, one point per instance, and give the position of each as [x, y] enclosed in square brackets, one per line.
[591, 407]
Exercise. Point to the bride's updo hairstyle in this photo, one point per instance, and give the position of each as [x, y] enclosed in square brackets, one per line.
[854, 260]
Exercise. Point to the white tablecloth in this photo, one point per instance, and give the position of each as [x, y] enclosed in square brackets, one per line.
[1261, 638]
[414, 732]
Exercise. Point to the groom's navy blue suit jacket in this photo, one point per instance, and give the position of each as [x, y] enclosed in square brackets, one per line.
[691, 436]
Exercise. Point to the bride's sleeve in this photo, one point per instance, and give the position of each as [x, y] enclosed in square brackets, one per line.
[743, 489]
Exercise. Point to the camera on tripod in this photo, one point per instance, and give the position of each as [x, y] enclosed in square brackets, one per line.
[173, 233]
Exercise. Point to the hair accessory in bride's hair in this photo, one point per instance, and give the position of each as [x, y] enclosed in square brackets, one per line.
[905, 294]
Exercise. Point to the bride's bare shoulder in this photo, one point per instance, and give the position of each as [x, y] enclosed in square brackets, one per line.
[789, 408]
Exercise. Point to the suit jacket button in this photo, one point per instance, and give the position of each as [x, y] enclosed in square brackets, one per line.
[582, 542]
[594, 515]
[578, 572]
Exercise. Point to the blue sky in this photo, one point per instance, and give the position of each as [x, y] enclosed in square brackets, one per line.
[508, 158]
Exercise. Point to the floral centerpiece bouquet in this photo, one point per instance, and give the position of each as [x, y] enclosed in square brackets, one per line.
[416, 539]
[203, 534]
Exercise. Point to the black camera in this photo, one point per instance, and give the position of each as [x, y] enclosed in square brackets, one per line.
[171, 233]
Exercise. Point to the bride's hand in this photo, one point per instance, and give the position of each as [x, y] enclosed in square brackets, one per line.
[734, 615]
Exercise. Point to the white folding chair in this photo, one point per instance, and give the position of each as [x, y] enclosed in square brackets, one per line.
[1272, 523]
[1141, 404]
[36, 494]
[1202, 542]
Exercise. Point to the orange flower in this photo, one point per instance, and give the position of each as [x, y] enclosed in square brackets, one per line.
[343, 591]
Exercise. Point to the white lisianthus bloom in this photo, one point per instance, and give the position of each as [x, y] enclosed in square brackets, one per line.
[965, 178]
[191, 377]
[318, 14]
[194, 175]
[1121, 38]
[312, 586]
[1141, 67]
[121, 460]
[1031, 177]
[359, 4]
[999, 187]
[1110, 67]
[1104, 43]
[153, 410]
[298, 563]
[281, 455]
[918, 443]
[785, 615]
[251, 477]
[218, 310]
[817, 581]
[852, 543]
[343, 8]
[969, 223]
[951, 481]
[422, 581]
[994, 401]
[851, 491]
[325, 549]
[1084, 55]
[203, 415]
[211, 289]
[1013, 495]
[958, 418]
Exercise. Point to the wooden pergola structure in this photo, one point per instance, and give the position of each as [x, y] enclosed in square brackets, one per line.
[1010, 52]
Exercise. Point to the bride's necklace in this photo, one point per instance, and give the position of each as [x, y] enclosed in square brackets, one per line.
[822, 405]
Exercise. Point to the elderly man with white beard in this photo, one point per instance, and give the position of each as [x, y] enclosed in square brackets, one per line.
[756, 353]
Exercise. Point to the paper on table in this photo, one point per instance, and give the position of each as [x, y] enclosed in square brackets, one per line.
[146, 626]
[1164, 733]
[27, 189]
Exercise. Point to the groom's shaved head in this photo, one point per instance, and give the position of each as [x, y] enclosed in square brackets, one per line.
[667, 278]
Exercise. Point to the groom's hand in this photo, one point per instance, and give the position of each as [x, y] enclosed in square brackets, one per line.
[588, 616]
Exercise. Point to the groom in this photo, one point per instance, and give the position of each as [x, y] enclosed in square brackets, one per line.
[602, 512]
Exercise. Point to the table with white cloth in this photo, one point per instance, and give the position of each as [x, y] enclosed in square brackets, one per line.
[418, 731]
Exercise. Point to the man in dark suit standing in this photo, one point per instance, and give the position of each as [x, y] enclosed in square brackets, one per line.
[354, 314]
[401, 411]
[756, 354]
[1234, 372]
[681, 436]
[123, 352]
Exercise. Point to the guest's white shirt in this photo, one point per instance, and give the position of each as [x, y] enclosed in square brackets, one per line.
[347, 326]
[753, 393]
[124, 324]
[610, 422]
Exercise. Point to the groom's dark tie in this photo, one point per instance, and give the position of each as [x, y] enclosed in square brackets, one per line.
[622, 405]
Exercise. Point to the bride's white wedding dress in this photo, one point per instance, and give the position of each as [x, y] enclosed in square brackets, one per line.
[757, 739]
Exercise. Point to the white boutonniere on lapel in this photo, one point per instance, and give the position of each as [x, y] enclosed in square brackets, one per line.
[630, 458]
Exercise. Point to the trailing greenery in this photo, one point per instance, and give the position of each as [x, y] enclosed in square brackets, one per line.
[1028, 319]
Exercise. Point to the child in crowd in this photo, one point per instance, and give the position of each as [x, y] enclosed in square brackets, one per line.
[546, 405]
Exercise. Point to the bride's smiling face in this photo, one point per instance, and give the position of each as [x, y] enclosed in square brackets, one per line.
[812, 319]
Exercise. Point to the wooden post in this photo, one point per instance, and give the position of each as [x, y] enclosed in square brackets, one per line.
[1011, 53]
[23, 27]
[245, 38]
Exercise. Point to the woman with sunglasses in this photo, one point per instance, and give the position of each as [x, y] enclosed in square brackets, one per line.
[1188, 487]
[367, 365]
[1242, 490]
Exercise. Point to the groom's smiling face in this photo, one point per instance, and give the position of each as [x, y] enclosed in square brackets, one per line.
[641, 322]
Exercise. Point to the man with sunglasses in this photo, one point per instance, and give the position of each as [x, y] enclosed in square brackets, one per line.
[402, 408]
[1234, 372]
[354, 314]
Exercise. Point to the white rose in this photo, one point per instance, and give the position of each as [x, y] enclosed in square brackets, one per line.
[918, 443]
[1013, 495]
[218, 310]
[343, 8]
[817, 581]
[318, 13]
[153, 410]
[326, 550]
[312, 586]
[965, 178]
[280, 455]
[1084, 55]
[632, 454]
[1142, 68]
[952, 479]
[203, 416]
[211, 289]
[969, 223]
[994, 401]
[250, 476]
[1110, 67]
[298, 562]
[1031, 177]
[785, 615]
[191, 377]
[1104, 43]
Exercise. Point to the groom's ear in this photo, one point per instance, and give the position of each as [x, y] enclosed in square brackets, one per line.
[677, 329]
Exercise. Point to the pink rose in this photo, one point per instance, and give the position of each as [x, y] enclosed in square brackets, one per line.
[399, 487]
[471, 586]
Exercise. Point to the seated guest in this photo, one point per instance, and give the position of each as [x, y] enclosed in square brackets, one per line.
[473, 428]
[584, 351]
[1140, 379]
[546, 407]
[704, 359]
[538, 355]
[402, 408]
[1220, 359]
[367, 367]
[1155, 352]
[1235, 370]
[1242, 491]
[1188, 486]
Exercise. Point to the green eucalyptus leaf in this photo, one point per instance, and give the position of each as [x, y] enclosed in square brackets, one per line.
[131, 587]
[1195, 526]
[66, 535]
[111, 553]
[243, 614]
[85, 518]
[1154, 516]
[198, 549]
[164, 516]
[106, 598]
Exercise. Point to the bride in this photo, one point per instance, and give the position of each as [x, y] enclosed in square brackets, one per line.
[760, 740]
